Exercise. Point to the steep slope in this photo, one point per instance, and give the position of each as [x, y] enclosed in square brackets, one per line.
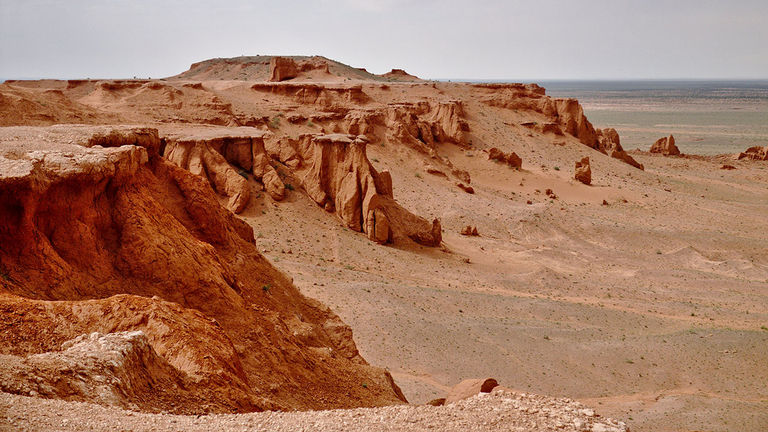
[101, 234]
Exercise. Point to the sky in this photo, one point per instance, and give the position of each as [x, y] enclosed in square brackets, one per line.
[449, 39]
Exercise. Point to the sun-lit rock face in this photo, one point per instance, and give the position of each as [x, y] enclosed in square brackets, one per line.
[102, 234]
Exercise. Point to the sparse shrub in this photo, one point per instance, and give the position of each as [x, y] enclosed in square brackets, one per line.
[310, 124]
[289, 186]
[418, 175]
[266, 288]
[557, 168]
[243, 174]
[275, 122]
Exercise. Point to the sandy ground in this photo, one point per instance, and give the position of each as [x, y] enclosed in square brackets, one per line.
[653, 307]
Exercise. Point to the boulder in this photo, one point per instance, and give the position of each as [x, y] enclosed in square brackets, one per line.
[511, 159]
[431, 169]
[462, 175]
[282, 68]
[583, 172]
[755, 153]
[466, 188]
[666, 146]
[469, 388]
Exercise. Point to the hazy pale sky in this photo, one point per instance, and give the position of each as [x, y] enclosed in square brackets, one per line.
[491, 39]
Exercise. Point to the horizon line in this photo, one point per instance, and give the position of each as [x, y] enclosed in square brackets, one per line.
[443, 79]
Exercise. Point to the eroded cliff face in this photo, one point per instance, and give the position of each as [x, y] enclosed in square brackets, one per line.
[420, 118]
[341, 178]
[101, 234]
[562, 116]
[334, 170]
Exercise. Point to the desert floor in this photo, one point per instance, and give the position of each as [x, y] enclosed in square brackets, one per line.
[653, 308]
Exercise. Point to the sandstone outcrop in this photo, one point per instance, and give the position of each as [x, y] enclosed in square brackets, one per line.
[340, 178]
[755, 153]
[570, 115]
[117, 239]
[424, 125]
[666, 146]
[511, 158]
[469, 231]
[335, 172]
[462, 175]
[610, 144]
[466, 188]
[224, 160]
[583, 172]
[314, 63]
[330, 96]
[563, 115]
[117, 369]
[282, 68]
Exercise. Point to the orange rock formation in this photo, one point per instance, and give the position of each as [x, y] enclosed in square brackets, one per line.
[665, 146]
[583, 172]
[102, 234]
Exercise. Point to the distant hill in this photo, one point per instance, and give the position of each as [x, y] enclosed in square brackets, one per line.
[256, 68]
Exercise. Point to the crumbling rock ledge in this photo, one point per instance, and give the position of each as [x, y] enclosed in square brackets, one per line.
[114, 238]
[117, 369]
[334, 169]
[307, 93]
[224, 158]
[562, 116]
[341, 178]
